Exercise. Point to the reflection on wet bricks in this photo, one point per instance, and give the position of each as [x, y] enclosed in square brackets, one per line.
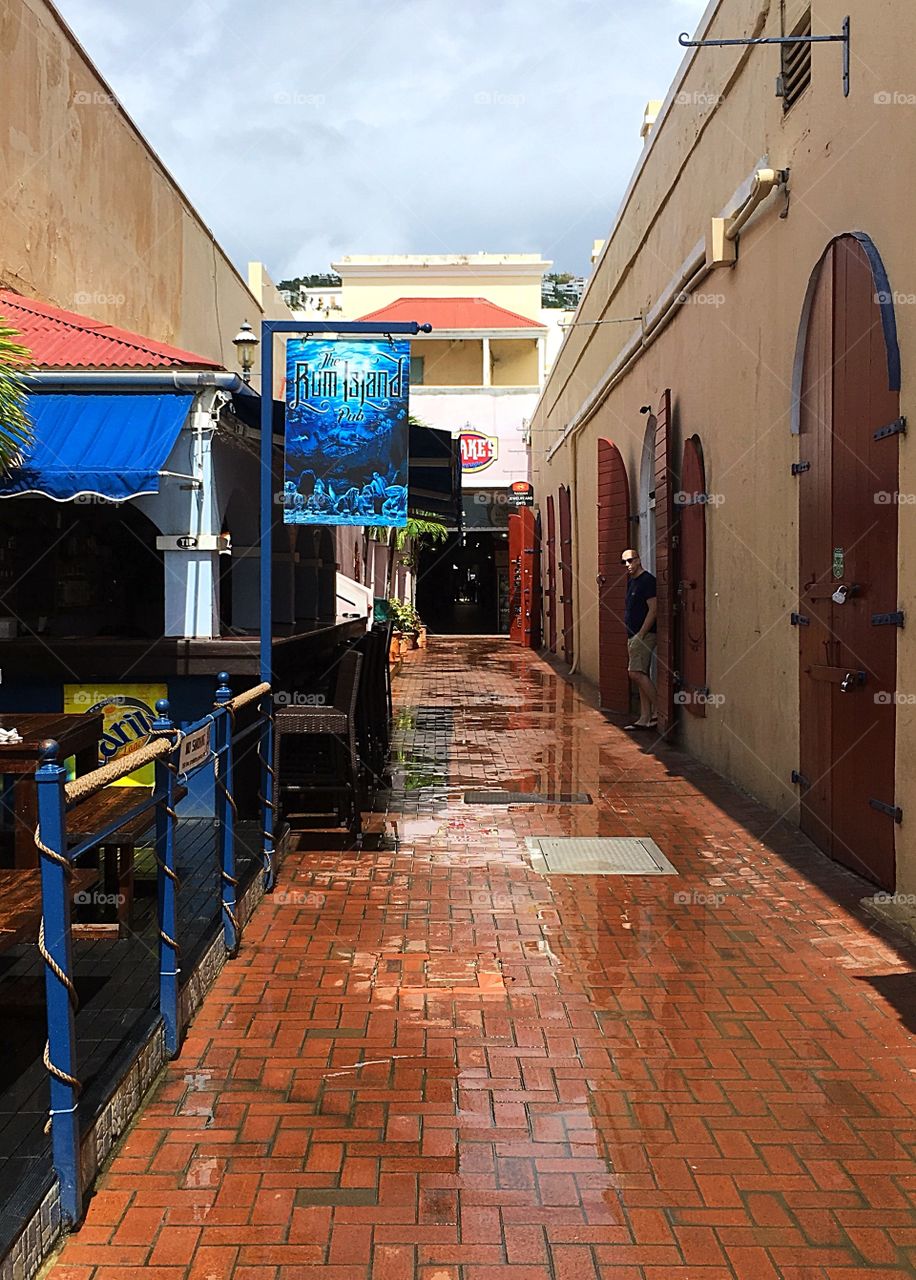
[431, 1061]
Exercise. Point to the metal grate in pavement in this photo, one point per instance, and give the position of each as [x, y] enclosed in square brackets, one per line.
[527, 797]
[598, 856]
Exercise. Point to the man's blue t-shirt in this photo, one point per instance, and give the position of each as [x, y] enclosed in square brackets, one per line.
[639, 592]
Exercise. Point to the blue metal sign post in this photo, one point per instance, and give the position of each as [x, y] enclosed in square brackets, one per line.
[353, 328]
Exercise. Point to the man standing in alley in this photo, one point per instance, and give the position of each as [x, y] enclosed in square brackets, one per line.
[639, 618]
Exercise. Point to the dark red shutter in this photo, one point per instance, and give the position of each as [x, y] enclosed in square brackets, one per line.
[550, 602]
[515, 578]
[664, 562]
[692, 575]
[566, 572]
[613, 538]
[531, 579]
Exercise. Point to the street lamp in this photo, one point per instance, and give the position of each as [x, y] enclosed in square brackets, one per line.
[245, 343]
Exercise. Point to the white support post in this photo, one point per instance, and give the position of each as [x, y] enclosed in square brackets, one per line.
[487, 367]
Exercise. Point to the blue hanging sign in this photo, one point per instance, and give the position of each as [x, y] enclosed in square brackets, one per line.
[346, 432]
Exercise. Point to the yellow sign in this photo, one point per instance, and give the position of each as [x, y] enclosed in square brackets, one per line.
[128, 711]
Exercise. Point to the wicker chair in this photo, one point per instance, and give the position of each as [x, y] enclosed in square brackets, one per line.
[337, 724]
[373, 715]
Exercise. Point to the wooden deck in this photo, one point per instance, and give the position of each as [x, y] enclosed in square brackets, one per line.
[117, 984]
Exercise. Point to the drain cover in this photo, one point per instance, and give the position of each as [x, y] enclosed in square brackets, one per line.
[527, 797]
[598, 856]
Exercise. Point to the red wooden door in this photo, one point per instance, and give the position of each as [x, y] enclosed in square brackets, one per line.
[524, 574]
[848, 553]
[531, 579]
[566, 572]
[613, 538]
[515, 578]
[550, 595]
[664, 563]
[692, 580]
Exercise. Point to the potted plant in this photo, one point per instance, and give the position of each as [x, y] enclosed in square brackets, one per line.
[405, 621]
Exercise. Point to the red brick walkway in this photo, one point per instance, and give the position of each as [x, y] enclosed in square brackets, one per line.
[429, 1061]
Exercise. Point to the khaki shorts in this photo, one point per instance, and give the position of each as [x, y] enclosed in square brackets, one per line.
[640, 653]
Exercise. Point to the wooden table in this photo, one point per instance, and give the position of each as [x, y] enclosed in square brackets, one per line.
[78, 735]
[20, 902]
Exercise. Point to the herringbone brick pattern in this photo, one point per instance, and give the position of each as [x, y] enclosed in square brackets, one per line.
[429, 1061]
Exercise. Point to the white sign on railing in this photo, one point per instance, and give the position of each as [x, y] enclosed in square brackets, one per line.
[195, 749]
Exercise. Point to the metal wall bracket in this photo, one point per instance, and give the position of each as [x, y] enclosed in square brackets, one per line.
[887, 619]
[896, 428]
[799, 779]
[892, 810]
[799, 620]
[799, 467]
[686, 43]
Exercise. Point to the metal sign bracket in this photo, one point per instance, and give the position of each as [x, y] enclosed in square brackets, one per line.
[686, 43]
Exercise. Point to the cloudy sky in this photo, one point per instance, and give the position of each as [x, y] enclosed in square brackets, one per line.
[307, 129]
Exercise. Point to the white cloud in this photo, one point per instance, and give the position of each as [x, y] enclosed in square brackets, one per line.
[303, 130]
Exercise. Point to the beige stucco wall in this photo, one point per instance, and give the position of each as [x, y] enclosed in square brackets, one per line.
[510, 280]
[514, 362]
[728, 354]
[457, 363]
[90, 219]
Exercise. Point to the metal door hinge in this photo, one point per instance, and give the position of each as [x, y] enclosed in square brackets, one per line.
[892, 810]
[799, 779]
[799, 467]
[799, 620]
[896, 428]
[887, 619]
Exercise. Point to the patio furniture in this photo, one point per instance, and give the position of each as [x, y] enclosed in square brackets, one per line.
[116, 852]
[77, 734]
[20, 902]
[373, 711]
[294, 763]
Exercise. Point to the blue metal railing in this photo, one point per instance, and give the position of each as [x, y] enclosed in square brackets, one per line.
[175, 762]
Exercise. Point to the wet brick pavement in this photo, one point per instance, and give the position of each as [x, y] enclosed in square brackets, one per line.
[429, 1061]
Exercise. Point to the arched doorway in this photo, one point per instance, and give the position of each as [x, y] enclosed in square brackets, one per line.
[613, 539]
[550, 592]
[849, 434]
[645, 512]
[566, 572]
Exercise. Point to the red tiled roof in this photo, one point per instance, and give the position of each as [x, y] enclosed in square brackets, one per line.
[66, 340]
[453, 313]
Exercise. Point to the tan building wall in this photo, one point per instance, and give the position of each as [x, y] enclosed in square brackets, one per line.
[90, 219]
[511, 280]
[450, 364]
[514, 362]
[728, 353]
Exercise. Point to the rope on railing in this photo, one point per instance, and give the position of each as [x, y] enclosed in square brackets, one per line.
[167, 871]
[57, 1072]
[242, 699]
[91, 783]
[230, 707]
[268, 800]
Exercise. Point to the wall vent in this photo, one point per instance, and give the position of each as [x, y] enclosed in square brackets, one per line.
[796, 65]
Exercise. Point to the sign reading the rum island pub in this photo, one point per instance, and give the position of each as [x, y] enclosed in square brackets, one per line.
[346, 432]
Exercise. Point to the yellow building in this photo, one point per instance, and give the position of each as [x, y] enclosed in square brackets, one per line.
[478, 376]
[746, 430]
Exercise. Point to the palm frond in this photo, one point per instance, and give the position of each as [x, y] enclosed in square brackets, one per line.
[15, 425]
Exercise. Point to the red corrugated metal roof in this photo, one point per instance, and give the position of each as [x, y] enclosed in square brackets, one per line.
[454, 313]
[66, 340]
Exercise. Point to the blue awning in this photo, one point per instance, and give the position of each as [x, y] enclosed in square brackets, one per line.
[112, 444]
